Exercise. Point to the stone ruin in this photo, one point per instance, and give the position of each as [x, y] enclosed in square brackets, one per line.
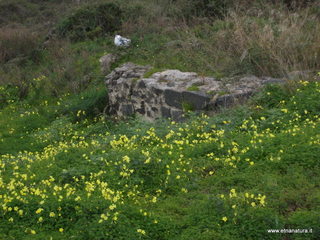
[169, 94]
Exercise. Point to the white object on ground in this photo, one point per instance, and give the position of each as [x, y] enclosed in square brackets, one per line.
[121, 41]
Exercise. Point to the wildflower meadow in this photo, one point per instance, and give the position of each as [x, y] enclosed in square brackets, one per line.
[233, 175]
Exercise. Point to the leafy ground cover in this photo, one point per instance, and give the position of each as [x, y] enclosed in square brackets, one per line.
[66, 174]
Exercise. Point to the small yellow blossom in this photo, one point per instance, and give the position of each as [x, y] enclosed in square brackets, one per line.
[113, 206]
[143, 232]
[39, 210]
[184, 190]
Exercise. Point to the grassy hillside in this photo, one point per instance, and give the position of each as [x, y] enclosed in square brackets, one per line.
[220, 38]
[68, 172]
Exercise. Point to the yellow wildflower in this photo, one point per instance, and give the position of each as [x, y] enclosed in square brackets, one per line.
[143, 232]
[39, 210]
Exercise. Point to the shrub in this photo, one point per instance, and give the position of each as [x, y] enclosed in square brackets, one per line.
[91, 21]
[16, 11]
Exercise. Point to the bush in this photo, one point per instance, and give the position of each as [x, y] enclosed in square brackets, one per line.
[16, 11]
[91, 22]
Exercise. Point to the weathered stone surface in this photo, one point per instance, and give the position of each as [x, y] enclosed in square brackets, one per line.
[198, 100]
[127, 109]
[232, 99]
[173, 98]
[166, 93]
[157, 91]
[165, 112]
[106, 61]
[142, 108]
[174, 76]
[141, 84]
[127, 71]
[269, 80]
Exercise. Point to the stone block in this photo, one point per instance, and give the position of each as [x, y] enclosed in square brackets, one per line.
[141, 84]
[269, 80]
[154, 109]
[106, 62]
[157, 91]
[197, 100]
[127, 109]
[173, 98]
[231, 99]
[165, 112]
[142, 109]
[166, 94]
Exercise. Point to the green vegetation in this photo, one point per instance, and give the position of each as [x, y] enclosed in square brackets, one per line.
[187, 107]
[67, 171]
[152, 71]
[193, 88]
[254, 167]
[91, 22]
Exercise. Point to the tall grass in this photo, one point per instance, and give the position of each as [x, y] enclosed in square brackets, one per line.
[16, 42]
[259, 41]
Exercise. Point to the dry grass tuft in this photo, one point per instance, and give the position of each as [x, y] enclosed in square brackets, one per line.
[260, 41]
[16, 42]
